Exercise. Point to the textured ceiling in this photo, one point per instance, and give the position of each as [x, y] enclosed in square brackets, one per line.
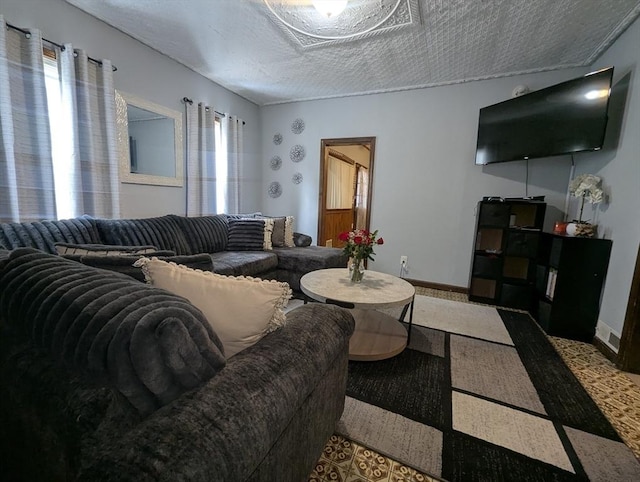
[242, 46]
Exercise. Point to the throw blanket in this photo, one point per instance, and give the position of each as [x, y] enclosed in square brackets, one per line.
[149, 344]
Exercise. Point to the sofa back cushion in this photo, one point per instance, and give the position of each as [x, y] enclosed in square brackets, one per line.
[163, 232]
[43, 235]
[147, 343]
[205, 234]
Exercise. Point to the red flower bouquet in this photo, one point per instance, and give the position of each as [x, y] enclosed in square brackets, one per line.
[360, 243]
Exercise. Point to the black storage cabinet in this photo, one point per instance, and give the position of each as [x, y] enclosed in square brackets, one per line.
[570, 279]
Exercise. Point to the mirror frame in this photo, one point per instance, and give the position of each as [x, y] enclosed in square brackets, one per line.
[325, 144]
[126, 176]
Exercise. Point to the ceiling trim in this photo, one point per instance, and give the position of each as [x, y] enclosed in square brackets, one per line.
[633, 14]
[428, 85]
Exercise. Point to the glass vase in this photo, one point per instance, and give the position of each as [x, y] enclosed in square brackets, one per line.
[356, 270]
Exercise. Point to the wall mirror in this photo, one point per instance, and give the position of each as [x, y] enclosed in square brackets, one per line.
[346, 180]
[149, 142]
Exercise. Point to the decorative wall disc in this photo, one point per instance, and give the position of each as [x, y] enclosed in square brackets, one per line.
[297, 178]
[275, 163]
[297, 153]
[275, 189]
[297, 126]
[277, 139]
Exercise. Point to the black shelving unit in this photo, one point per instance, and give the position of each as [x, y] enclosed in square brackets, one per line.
[570, 278]
[503, 270]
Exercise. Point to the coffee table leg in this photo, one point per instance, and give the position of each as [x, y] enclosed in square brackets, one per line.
[408, 307]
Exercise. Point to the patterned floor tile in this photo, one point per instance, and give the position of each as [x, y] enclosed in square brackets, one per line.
[616, 394]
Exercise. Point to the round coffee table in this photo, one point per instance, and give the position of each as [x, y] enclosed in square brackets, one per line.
[377, 336]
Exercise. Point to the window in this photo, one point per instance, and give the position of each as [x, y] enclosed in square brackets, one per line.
[221, 169]
[61, 129]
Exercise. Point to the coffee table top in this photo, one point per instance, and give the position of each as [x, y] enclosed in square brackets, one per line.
[376, 290]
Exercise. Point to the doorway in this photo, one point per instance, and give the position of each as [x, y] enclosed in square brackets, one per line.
[346, 181]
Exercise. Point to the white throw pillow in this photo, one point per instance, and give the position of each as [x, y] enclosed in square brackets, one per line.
[240, 309]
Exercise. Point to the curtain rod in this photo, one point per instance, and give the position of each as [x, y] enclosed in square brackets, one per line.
[61, 47]
[190, 101]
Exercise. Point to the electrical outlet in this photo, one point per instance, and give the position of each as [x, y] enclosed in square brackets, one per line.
[403, 261]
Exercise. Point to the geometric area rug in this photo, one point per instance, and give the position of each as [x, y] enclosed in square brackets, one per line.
[480, 394]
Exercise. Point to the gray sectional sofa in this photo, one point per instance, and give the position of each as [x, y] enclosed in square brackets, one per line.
[199, 242]
[106, 378]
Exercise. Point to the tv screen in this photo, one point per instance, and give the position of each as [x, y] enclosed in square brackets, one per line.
[561, 119]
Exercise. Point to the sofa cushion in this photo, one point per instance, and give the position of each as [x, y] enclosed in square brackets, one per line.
[43, 235]
[205, 234]
[104, 249]
[150, 345]
[163, 232]
[310, 258]
[250, 234]
[241, 310]
[244, 263]
[125, 264]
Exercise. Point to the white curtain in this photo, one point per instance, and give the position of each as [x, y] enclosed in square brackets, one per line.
[340, 182]
[233, 134]
[26, 170]
[201, 160]
[91, 164]
[81, 165]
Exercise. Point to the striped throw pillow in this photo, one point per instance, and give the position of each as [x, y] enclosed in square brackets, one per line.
[250, 234]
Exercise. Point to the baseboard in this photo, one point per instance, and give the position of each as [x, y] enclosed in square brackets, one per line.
[437, 286]
[605, 350]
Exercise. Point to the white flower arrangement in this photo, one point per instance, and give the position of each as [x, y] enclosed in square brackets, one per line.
[589, 188]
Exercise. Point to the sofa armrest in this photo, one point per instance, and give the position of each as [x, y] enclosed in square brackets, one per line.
[225, 429]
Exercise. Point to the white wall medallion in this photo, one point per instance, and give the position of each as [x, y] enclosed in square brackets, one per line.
[297, 153]
[297, 126]
[275, 189]
[275, 163]
[296, 178]
[305, 23]
[277, 139]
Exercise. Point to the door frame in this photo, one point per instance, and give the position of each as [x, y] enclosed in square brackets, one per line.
[325, 144]
[628, 357]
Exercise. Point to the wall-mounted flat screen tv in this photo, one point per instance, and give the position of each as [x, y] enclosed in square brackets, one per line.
[561, 119]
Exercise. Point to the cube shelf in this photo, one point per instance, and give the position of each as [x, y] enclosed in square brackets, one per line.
[503, 270]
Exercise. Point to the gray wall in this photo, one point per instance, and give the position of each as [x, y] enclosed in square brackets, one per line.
[426, 185]
[152, 76]
[620, 170]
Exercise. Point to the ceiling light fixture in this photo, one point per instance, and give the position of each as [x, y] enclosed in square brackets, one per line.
[330, 8]
[338, 20]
